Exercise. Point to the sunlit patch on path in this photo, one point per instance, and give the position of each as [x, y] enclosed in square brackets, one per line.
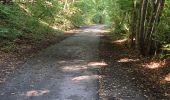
[167, 78]
[64, 71]
[154, 65]
[34, 93]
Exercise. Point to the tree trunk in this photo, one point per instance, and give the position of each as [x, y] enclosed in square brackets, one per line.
[134, 26]
[151, 28]
[142, 26]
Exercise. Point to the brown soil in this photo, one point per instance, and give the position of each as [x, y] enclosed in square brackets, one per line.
[152, 76]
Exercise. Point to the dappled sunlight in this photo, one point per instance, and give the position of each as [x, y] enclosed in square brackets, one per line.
[49, 3]
[98, 55]
[61, 62]
[43, 23]
[165, 82]
[167, 94]
[75, 68]
[96, 30]
[35, 93]
[154, 65]
[73, 61]
[25, 9]
[55, 27]
[97, 64]
[167, 78]
[74, 31]
[120, 41]
[85, 78]
[123, 60]
[79, 67]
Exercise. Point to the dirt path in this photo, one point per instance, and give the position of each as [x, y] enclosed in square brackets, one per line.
[126, 76]
[85, 66]
[117, 79]
[65, 71]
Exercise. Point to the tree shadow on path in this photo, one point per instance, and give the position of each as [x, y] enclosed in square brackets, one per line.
[127, 76]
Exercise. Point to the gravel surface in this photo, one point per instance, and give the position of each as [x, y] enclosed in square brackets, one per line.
[120, 79]
[65, 71]
[117, 81]
[85, 66]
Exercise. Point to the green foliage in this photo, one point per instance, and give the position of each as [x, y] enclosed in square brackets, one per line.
[16, 22]
[45, 10]
[162, 34]
[7, 46]
[11, 21]
[125, 5]
[123, 17]
[37, 20]
[77, 19]
[3, 32]
[99, 18]
[120, 15]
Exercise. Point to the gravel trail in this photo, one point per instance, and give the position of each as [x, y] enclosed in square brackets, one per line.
[85, 66]
[65, 71]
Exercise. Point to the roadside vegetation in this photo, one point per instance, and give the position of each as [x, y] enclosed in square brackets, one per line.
[143, 25]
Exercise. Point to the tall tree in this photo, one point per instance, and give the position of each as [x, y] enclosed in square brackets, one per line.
[148, 18]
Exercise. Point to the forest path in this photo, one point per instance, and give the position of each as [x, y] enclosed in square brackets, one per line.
[65, 71]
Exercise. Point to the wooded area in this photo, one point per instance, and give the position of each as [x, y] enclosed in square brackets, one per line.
[147, 23]
[131, 38]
